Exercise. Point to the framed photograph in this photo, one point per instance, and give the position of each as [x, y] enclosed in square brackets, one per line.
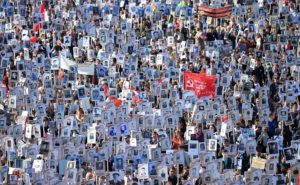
[91, 136]
[76, 52]
[95, 94]
[12, 179]
[164, 104]
[4, 62]
[71, 164]
[20, 65]
[269, 179]
[251, 147]
[12, 102]
[143, 172]
[202, 147]
[54, 63]
[123, 129]
[212, 144]
[97, 113]
[68, 41]
[162, 172]
[207, 177]
[14, 75]
[295, 144]
[100, 167]
[119, 162]
[81, 92]
[273, 148]
[282, 114]
[112, 131]
[152, 169]
[71, 174]
[67, 94]
[288, 154]
[271, 167]
[193, 148]
[86, 41]
[124, 26]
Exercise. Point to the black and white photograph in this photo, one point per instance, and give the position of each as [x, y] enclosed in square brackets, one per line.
[123, 129]
[143, 172]
[116, 178]
[212, 145]
[273, 148]
[288, 154]
[119, 163]
[14, 75]
[149, 92]
[81, 92]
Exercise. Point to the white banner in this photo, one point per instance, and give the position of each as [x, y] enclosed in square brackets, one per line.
[83, 69]
[86, 69]
[65, 63]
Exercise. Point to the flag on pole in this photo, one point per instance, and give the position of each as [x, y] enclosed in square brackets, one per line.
[201, 84]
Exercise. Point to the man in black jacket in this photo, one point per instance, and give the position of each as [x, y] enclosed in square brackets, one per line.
[259, 72]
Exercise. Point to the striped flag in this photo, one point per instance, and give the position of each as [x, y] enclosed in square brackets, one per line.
[215, 12]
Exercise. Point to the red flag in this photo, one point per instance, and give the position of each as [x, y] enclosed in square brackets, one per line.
[42, 8]
[37, 27]
[202, 85]
[224, 119]
[203, 72]
[136, 100]
[33, 39]
[116, 101]
[42, 11]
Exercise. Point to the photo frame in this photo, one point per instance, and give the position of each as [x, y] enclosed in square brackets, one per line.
[273, 148]
[288, 154]
[68, 41]
[100, 167]
[212, 144]
[81, 91]
[86, 41]
[162, 172]
[271, 167]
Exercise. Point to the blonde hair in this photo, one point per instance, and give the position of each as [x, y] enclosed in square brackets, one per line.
[89, 176]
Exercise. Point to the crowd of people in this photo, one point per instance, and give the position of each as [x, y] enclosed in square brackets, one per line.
[96, 92]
